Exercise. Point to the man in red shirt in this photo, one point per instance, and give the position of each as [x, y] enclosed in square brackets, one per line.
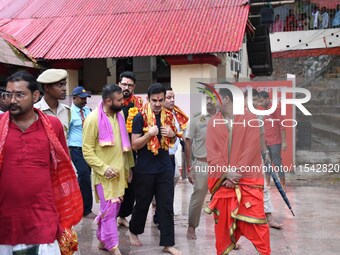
[274, 136]
[268, 207]
[35, 208]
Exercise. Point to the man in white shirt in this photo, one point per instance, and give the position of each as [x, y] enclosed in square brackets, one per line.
[325, 18]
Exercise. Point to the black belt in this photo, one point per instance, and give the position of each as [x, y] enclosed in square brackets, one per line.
[75, 148]
[171, 155]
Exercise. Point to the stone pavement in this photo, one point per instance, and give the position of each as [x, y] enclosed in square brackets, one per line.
[313, 231]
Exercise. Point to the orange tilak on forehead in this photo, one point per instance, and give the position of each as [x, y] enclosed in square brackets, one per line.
[157, 98]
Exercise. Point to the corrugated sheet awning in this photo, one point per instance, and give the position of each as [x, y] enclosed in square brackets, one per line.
[122, 28]
[10, 55]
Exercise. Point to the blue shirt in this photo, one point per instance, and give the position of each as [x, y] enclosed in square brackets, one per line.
[75, 131]
[146, 162]
[336, 20]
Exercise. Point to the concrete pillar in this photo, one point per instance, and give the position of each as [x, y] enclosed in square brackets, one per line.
[186, 69]
[145, 70]
[182, 75]
[222, 68]
[72, 80]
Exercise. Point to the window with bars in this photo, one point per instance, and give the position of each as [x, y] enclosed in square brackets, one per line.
[236, 61]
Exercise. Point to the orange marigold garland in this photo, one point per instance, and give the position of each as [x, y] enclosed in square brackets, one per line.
[182, 119]
[167, 119]
[131, 114]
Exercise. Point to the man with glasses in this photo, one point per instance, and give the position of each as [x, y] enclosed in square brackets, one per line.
[35, 168]
[127, 82]
[54, 85]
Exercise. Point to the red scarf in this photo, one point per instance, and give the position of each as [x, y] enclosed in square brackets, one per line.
[167, 119]
[136, 100]
[68, 199]
[182, 119]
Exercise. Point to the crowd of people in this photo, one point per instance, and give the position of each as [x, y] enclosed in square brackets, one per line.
[53, 156]
[318, 18]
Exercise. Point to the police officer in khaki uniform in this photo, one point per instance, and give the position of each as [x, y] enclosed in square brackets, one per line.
[54, 84]
[197, 170]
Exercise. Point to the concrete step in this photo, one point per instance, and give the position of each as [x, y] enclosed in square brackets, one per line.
[321, 143]
[326, 131]
[325, 100]
[323, 109]
[330, 119]
[317, 157]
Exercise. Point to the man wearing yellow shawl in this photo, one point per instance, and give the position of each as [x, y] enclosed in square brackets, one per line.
[107, 149]
[181, 122]
[153, 132]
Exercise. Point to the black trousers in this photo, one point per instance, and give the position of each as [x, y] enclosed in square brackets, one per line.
[126, 206]
[173, 164]
[84, 178]
[162, 187]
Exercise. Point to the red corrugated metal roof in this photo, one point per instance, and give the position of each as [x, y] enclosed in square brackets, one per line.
[330, 4]
[79, 29]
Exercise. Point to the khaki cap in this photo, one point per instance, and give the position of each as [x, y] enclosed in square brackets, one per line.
[52, 76]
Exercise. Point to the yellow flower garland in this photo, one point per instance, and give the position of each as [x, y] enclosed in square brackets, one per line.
[131, 114]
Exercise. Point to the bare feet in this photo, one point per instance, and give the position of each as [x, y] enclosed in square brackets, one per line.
[101, 246]
[191, 235]
[272, 223]
[115, 251]
[134, 240]
[172, 250]
[122, 222]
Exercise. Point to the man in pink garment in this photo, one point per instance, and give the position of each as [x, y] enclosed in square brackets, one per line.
[107, 150]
